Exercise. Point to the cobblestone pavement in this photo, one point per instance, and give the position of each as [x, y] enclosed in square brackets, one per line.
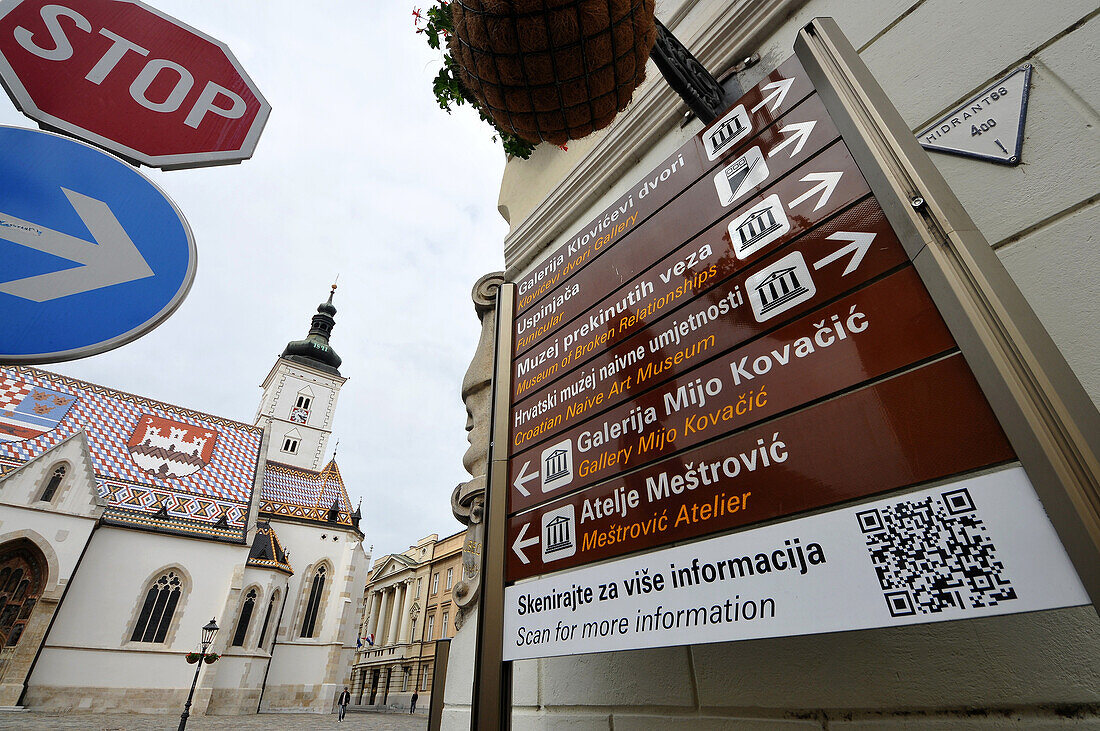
[264, 722]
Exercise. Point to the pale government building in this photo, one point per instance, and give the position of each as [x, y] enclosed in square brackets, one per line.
[126, 524]
[409, 608]
[1040, 218]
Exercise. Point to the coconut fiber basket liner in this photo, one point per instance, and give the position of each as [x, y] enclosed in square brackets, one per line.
[552, 70]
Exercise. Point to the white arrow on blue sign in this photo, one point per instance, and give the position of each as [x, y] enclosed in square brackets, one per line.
[92, 254]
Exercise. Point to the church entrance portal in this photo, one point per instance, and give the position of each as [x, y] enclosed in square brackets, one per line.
[23, 575]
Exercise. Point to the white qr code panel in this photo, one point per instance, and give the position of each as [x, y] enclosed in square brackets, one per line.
[933, 554]
[975, 546]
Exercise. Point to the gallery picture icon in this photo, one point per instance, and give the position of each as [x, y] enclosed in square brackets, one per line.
[779, 287]
[557, 465]
[559, 534]
[759, 226]
[741, 176]
[726, 132]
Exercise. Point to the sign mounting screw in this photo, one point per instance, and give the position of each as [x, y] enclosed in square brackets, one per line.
[916, 201]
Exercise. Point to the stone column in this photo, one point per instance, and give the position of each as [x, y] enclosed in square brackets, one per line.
[383, 609]
[375, 608]
[406, 623]
[395, 621]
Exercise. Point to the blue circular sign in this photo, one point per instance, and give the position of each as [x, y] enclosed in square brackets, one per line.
[93, 253]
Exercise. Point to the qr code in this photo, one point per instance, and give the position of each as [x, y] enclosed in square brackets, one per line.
[933, 554]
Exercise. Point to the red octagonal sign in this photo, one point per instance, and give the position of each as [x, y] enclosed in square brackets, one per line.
[131, 79]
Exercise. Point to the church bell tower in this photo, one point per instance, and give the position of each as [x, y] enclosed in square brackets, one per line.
[300, 392]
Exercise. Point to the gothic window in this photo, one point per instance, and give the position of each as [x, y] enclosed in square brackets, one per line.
[160, 604]
[246, 617]
[22, 579]
[56, 476]
[267, 619]
[316, 590]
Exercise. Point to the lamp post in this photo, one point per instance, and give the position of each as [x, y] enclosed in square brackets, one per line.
[208, 633]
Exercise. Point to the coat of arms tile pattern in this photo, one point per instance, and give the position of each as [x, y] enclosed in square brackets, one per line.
[203, 479]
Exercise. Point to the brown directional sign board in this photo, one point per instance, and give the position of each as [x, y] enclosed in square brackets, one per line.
[747, 382]
[740, 337]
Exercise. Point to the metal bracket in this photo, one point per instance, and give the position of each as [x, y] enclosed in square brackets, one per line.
[688, 78]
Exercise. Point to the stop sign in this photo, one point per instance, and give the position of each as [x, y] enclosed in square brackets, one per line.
[129, 78]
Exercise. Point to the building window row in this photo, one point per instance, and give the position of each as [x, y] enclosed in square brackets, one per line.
[164, 594]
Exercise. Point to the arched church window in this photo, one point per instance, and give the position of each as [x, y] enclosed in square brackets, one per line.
[22, 578]
[160, 605]
[246, 617]
[267, 619]
[55, 481]
[309, 621]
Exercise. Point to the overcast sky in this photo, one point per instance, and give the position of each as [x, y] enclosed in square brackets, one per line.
[357, 173]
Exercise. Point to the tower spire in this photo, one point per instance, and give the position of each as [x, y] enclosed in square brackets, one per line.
[315, 350]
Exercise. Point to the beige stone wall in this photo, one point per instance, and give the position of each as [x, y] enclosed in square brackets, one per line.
[297, 699]
[53, 699]
[233, 701]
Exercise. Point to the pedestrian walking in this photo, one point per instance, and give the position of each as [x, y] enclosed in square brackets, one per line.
[412, 706]
[345, 699]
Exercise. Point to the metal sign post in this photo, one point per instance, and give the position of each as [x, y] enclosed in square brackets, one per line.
[492, 697]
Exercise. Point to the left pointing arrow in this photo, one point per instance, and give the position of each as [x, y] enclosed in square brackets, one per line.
[522, 478]
[112, 259]
[521, 544]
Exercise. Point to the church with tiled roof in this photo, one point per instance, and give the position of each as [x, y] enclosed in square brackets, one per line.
[127, 523]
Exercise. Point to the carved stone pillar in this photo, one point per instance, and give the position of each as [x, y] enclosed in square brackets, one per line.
[392, 636]
[406, 614]
[383, 609]
[375, 608]
[468, 498]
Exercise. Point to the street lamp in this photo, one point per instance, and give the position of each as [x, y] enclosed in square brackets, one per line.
[208, 633]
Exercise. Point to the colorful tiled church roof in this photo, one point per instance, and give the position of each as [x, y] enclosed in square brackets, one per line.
[267, 551]
[295, 492]
[158, 466]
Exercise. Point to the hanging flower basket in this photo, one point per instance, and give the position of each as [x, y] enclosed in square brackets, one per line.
[552, 70]
[193, 657]
[212, 658]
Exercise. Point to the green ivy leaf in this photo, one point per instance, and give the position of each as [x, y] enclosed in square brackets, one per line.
[447, 87]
